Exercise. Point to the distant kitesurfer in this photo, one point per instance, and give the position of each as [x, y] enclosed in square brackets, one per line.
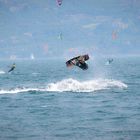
[109, 61]
[12, 67]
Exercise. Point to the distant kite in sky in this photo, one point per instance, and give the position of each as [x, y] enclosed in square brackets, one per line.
[74, 51]
[60, 36]
[114, 35]
[45, 47]
[59, 2]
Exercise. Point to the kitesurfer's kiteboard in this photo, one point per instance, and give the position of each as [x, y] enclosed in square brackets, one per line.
[78, 61]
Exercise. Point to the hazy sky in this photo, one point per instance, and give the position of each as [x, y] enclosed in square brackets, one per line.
[45, 29]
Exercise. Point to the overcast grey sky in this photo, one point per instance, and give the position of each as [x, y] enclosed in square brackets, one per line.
[45, 29]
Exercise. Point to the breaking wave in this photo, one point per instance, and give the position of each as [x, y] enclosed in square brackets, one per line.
[20, 90]
[71, 85]
[86, 86]
[2, 72]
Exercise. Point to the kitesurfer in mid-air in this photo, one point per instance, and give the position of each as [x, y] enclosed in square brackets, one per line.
[78, 61]
[12, 67]
[81, 63]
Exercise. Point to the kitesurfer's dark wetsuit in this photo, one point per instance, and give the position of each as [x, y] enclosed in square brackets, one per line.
[12, 68]
[82, 65]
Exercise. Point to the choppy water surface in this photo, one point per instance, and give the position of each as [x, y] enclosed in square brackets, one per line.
[42, 99]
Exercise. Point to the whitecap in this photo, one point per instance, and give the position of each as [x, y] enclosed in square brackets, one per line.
[19, 90]
[84, 86]
[2, 72]
[71, 85]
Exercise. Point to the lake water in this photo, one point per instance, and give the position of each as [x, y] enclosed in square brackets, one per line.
[45, 100]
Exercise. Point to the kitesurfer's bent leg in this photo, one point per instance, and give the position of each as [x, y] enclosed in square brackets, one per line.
[11, 69]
